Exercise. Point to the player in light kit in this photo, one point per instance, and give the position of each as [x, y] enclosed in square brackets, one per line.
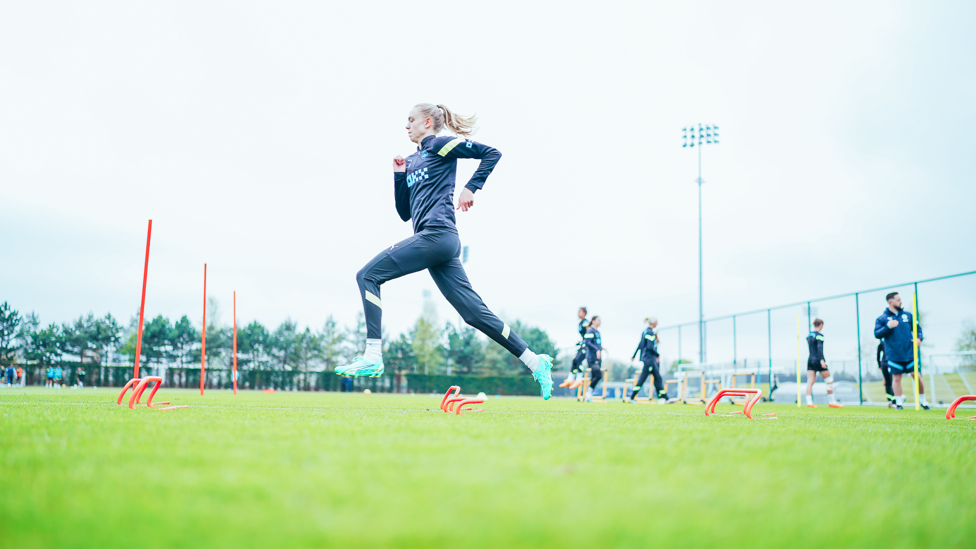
[575, 377]
[817, 363]
[423, 188]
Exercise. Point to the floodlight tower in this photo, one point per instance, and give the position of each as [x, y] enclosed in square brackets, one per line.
[707, 135]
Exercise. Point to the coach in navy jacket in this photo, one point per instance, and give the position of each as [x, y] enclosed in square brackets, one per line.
[894, 327]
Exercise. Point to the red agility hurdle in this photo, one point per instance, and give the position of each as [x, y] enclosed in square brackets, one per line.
[138, 387]
[454, 402]
[452, 392]
[467, 402]
[754, 393]
[951, 412]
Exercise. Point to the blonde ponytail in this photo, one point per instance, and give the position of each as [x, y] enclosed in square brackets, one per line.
[443, 117]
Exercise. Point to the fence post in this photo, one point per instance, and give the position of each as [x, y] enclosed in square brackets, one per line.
[860, 379]
[918, 310]
[735, 348]
[679, 345]
[769, 333]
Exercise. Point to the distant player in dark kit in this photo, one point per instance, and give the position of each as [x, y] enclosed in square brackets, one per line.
[594, 350]
[81, 378]
[423, 190]
[817, 363]
[651, 359]
[894, 328]
[886, 374]
[575, 377]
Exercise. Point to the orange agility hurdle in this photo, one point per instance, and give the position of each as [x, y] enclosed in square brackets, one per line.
[449, 403]
[951, 412]
[453, 391]
[138, 387]
[754, 393]
[131, 383]
[141, 387]
[467, 402]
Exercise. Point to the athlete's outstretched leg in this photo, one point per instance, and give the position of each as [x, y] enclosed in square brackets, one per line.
[408, 256]
[453, 282]
[658, 379]
[596, 374]
[645, 373]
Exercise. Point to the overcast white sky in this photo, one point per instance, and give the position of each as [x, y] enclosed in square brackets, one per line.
[258, 138]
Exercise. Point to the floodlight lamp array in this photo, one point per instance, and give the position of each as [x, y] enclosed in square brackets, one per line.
[703, 135]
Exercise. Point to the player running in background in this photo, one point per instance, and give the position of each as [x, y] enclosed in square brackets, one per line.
[423, 188]
[894, 328]
[50, 377]
[817, 363]
[81, 378]
[647, 349]
[575, 377]
[594, 348]
[59, 377]
[883, 365]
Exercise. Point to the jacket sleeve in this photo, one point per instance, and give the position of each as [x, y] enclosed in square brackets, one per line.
[640, 345]
[820, 349]
[920, 336]
[402, 195]
[881, 329]
[465, 148]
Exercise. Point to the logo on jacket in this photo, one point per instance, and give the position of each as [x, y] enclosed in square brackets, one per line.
[423, 154]
[416, 177]
[904, 318]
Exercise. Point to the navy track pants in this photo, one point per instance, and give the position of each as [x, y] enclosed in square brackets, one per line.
[438, 250]
[652, 366]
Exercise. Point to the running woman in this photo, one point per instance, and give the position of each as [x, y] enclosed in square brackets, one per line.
[894, 327]
[423, 188]
[575, 377]
[594, 347]
[647, 349]
[817, 363]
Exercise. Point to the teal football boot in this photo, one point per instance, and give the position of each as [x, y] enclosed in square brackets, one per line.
[360, 368]
[543, 374]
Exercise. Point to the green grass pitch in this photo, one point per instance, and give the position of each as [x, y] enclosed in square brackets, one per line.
[331, 470]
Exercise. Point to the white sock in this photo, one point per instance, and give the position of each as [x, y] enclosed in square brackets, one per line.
[374, 350]
[833, 399]
[900, 400]
[921, 399]
[530, 359]
[589, 393]
[809, 399]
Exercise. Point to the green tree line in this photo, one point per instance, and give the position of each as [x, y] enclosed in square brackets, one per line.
[429, 347]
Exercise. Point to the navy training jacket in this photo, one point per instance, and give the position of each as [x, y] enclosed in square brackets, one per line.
[583, 325]
[425, 192]
[897, 340]
[593, 344]
[648, 343]
[815, 342]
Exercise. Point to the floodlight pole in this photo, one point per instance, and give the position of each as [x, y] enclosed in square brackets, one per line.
[701, 298]
[703, 135]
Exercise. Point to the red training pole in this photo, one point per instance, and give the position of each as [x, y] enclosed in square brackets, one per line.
[203, 344]
[142, 306]
[235, 342]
